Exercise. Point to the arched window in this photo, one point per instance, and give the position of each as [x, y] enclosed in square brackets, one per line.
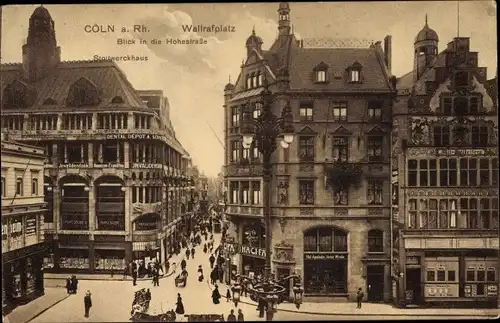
[375, 241]
[82, 92]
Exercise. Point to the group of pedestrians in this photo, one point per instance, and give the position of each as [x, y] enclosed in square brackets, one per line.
[72, 284]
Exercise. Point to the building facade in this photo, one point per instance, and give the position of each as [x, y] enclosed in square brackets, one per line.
[335, 236]
[23, 211]
[115, 175]
[445, 177]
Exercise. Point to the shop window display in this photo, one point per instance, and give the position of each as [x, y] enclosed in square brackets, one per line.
[78, 259]
[16, 290]
[16, 233]
[30, 276]
[5, 241]
[110, 260]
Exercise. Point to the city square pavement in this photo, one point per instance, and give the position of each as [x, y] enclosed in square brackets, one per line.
[112, 300]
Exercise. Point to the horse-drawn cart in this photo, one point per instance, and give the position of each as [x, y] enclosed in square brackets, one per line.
[144, 317]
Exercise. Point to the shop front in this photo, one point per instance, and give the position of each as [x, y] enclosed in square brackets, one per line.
[73, 254]
[325, 262]
[111, 254]
[22, 275]
[469, 278]
[253, 260]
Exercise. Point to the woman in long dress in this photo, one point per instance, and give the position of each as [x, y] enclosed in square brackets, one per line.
[200, 273]
[216, 295]
[179, 309]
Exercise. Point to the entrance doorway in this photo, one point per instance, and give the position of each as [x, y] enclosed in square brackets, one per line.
[375, 280]
[413, 290]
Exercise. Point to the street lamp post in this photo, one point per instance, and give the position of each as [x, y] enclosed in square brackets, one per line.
[267, 128]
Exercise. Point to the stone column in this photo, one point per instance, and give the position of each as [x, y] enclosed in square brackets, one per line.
[94, 121]
[130, 121]
[56, 198]
[128, 209]
[90, 152]
[59, 121]
[92, 207]
[126, 152]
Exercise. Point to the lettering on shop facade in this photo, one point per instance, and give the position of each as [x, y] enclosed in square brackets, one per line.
[463, 152]
[136, 136]
[253, 251]
[323, 256]
[147, 166]
[109, 165]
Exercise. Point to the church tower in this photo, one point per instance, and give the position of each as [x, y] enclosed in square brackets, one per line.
[426, 48]
[284, 19]
[40, 53]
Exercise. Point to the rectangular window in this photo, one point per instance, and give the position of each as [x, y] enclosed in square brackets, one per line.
[19, 186]
[412, 213]
[468, 172]
[375, 148]
[306, 111]
[447, 105]
[374, 110]
[256, 193]
[340, 149]
[480, 136]
[306, 192]
[448, 172]
[257, 108]
[306, 148]
[452, 276]
[441, 275]
[375, 192]
[485, 215]
[4, 187]
[441, 135]
[470, 275]
[235, 151]
[432, 220]
[412, 172]
[433, 172]
[246, 153]
[494, 171]
[320, 76]
[431, 275]
[474, 104]
[235, 117]
[245, 192]
[340, 196]
[423, 208]
[339, 111]
[234, 189]
[255, 151]
[490, 275]
[424, 172]
[484, 171]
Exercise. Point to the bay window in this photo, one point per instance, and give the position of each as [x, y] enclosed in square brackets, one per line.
[256, 193]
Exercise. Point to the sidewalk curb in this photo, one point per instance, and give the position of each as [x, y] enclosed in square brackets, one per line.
[46, 309]
[365, 314]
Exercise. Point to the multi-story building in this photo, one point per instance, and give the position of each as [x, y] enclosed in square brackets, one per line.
[115, 173]
[203, 194]
[23, 210]
[445, 166]
[335, 236]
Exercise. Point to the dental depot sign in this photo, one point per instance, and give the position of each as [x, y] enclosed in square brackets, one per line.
[245, 250]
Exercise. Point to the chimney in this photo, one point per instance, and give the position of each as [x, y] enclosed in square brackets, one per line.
[388, 52]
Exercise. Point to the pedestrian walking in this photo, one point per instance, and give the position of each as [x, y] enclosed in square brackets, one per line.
[68, 285]
[205, 248]
[74, 284]
[231, 317]
[87, 302]
[216, 295]
[192, 253]
[359, 297]
[179, 309]
[167, 267]
[228, 295]
[187, 253]
[183, 264]
[134, 277]
[212, 260]
[240, 316]
[200, 273]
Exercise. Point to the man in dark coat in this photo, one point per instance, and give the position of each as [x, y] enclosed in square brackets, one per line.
[240, 316]
[192, 253]
[188, 252]
[213, 276]
[212, 260]
[74, 284]
[231, 317]
[87, 301]
[68, 285]
[183, 263]
[359, 297]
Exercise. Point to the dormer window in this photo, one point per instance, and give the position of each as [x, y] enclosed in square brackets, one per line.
[259, 80]
[320, 73]
[254, 80]
[354, 76]
[249, 81]
[118, 100]
[354, 72]
[83, 92]
[257, 108]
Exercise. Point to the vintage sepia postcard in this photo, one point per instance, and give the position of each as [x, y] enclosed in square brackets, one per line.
[286, 161]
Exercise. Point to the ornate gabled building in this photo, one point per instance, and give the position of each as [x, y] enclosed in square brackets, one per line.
[445, 177]
[114, 166]
[334, 234]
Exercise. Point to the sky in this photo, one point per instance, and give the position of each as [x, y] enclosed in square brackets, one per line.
[193, 76]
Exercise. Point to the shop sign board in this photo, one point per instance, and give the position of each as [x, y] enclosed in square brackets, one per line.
[147, 166]
[109, 165]
[232, 248]
[253, 251]
[324, 256]
[462, 152]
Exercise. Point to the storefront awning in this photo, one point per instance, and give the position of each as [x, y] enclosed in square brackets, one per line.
[66, 246]
[109, 247]
[141, 246]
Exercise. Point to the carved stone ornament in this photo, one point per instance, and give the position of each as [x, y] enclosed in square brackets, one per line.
[283, 253]
[283, 193]
[419, 129]
[306, 211]
[454, 192]
[306, 167]
[341, 211]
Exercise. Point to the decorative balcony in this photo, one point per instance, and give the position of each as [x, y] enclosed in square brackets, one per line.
[252, 211]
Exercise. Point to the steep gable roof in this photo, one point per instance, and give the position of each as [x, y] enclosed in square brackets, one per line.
[303, 61]
[106, 75]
